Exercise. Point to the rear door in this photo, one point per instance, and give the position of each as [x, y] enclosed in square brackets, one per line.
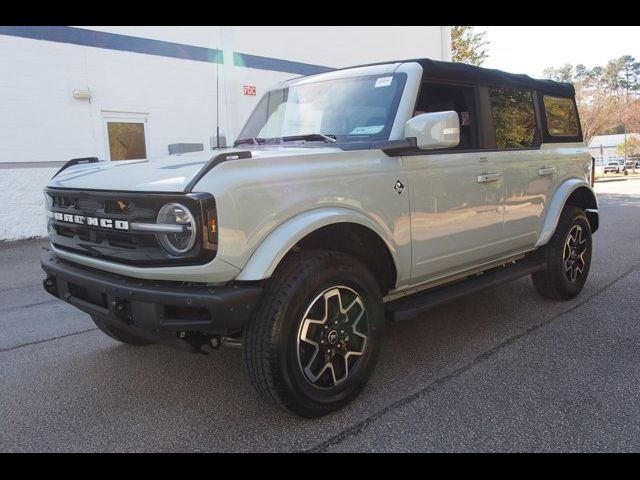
[529, 172]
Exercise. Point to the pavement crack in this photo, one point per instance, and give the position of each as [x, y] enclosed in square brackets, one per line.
[22, 287]
[30, 305]
[15, 347]
[361, 426]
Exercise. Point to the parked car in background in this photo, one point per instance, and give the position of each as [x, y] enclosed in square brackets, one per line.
[614, 166]
[632, 164]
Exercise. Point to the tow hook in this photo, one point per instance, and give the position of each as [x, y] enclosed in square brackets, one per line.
[215, 341]
[201, 343]
[121, 310]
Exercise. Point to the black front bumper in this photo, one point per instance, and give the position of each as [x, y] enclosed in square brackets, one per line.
[157, 310]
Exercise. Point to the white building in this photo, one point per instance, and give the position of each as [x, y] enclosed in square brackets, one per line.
[130, 92]
[603, 147]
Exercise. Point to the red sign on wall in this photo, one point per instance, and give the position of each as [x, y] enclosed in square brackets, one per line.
[249, 90]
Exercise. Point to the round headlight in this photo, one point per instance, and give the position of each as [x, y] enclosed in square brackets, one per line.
[183, 239]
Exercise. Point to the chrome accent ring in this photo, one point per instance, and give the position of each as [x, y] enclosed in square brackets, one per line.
[158, 227]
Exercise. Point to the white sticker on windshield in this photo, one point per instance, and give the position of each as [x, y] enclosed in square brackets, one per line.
[367, 130]
[383, 82]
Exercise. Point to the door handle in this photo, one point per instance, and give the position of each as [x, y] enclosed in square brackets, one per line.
[489, 177]
[547, 171]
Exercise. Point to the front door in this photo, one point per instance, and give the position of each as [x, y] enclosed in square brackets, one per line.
[456, 212]
[456, 194]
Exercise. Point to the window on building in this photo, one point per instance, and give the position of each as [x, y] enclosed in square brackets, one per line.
[126, 136]
[562, 119]
[514, 118]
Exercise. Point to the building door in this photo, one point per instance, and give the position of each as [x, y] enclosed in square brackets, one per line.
[126, 135]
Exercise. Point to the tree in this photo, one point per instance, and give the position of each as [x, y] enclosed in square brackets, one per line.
[598, 115]
[581, 73]
[631, 116]
[612, 75]
[468, 46]
[594, 76]
[562, 74]
[630, 72]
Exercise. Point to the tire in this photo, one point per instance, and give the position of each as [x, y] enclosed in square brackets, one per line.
[290, 341]
[120, 335]
[568, 257]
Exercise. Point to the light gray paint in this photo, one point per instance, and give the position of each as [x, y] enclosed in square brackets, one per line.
[556, 205]
[447, 219]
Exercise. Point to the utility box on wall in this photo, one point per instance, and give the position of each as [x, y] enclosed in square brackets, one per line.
[185, 148]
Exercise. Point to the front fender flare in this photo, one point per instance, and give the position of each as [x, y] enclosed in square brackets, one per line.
[275, 246]
[556, 205]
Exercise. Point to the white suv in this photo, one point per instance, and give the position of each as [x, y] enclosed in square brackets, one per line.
[351, 197]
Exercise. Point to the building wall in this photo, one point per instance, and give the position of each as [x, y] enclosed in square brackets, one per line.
[164, 75]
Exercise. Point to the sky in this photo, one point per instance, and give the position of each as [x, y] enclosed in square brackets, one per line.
[530, 49]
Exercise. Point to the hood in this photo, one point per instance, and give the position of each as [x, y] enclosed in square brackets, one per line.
[172, 173]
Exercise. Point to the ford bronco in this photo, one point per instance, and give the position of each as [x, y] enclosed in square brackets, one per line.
[350, 198]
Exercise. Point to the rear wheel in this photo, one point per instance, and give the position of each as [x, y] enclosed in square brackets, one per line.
[568, 257]
[119, 334]
[314, 338]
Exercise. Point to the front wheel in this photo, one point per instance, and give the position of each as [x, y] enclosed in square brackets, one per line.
[314, 338]
[568, 257]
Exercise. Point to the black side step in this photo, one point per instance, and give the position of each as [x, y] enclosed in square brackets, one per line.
[414, 305]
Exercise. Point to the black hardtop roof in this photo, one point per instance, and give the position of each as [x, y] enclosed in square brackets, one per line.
[461, 72]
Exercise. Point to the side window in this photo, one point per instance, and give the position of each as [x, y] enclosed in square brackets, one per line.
[461, 99]
[562, 119]
[514, 117]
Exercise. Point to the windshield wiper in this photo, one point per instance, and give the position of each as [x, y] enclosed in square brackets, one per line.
[311, 137]
[250, 141]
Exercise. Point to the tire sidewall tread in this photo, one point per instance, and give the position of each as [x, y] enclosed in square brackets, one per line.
[552, 283]
[268, 336]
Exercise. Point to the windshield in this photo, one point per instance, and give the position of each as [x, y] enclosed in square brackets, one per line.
[346, 110]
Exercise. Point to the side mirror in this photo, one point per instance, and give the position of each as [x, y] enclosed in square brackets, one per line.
[434, 130]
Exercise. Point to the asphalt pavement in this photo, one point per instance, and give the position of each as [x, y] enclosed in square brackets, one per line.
[501, 370]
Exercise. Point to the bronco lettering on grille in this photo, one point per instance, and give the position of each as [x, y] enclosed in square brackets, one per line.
[92, 221]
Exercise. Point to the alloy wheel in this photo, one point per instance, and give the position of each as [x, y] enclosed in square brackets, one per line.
[575, 248]
[332, 337]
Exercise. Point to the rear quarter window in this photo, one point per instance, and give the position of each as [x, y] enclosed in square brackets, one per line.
[562, 118]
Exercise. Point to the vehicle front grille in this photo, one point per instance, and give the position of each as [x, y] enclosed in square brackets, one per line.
[130, 247]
